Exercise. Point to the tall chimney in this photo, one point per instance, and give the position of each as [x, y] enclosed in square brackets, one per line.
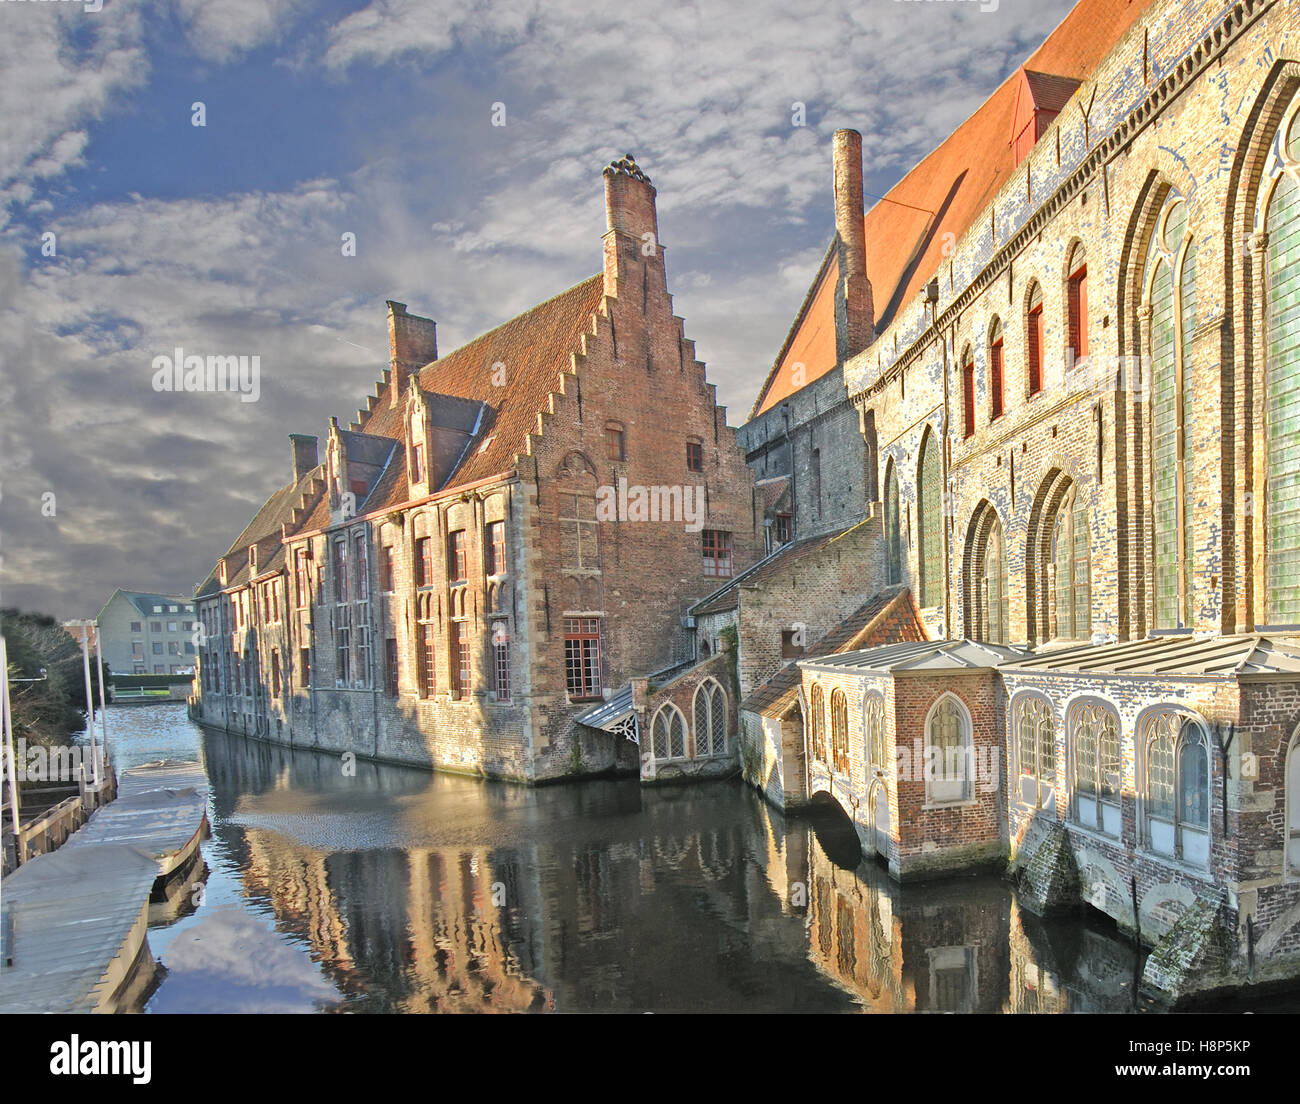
[412, 343]
[854, 313]
[632, 234]
[305, 456]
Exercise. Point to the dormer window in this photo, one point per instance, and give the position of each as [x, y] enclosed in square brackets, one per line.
[1038, 101]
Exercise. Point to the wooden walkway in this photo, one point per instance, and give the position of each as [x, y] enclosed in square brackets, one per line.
[75, 921]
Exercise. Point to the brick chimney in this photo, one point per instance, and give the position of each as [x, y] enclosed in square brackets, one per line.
[855, 318]
[412, 343]
[629, 217]
[305, 454]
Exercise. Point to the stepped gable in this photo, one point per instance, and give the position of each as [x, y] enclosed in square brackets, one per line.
[888, 618]
[536, 348]
[957, 181]
[267, 529]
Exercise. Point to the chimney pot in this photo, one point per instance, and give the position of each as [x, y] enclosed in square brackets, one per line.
[412, 343]
[305, 454]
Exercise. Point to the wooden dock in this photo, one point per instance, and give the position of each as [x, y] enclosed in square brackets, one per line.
[75, 922]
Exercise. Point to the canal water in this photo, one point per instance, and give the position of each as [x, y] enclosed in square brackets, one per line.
[376, 888]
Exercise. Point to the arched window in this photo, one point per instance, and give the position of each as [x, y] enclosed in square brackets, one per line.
[1176, 787]
[1292, 807]
[987, 594]
[1094, 738]
[1171, 299]
[929, 528]
[669, 731]
[1071, 549]
[839, 731]
[1076, 306]
[874, 731]
[968, 392]
[1034, 340]
[1282, 392]
[950, 752]
[817, 706]
[893, 528]
[997, 390]
[1035, 751]
[710, 719]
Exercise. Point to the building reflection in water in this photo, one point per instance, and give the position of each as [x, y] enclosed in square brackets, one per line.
[416, 892]
[959, 945]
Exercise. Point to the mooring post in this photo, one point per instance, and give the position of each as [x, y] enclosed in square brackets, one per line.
[1137, 916]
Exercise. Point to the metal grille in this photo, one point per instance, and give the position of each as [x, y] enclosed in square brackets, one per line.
[718, 720]
[1036, 739]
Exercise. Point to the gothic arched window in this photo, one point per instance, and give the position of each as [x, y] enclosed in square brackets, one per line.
[893, 528]
[1171, 298]
[929, 526]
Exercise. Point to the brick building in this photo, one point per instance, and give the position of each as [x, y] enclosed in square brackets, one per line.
[1070, 337]
[500, 542]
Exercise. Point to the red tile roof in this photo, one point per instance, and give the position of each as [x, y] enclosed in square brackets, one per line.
[535, 348]
[957, 181]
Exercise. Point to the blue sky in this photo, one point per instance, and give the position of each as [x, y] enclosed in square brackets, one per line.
[374, 118]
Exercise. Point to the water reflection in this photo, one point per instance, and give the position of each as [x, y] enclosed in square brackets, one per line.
[386, 889]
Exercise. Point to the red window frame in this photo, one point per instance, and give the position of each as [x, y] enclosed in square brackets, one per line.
[614, 443]
[582, 657]
[717, 553]
[457, 557]
[694, 456]
[1035, 350]
[968, 396]
[424, 562]
[386, 569]
[496, 546]
[1078, 310]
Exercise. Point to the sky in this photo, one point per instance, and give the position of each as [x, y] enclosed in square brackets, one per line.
[127, 231]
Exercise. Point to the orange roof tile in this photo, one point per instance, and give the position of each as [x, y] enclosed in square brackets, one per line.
[535, 348]
[957, 181]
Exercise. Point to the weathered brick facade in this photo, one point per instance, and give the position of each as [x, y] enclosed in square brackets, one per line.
[1065, 406]
[504, 536]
